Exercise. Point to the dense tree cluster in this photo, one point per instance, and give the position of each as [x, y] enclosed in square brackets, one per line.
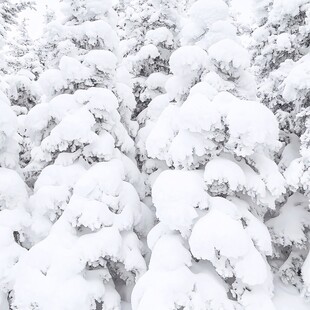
[155, 155]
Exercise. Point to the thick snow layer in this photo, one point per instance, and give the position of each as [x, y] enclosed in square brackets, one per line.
[188, 60]
[97, 204]
[254, 185]
[187, 148]
[290, 152]
[91, 9]
[14, 221]
[36, 119]
[287, 298]
[52, 81]
[103, 61]
[8, 120]
[246, 135]
[180, 206]
[227, 52]
[306, 276]
[149, 51]
[288, 228]
[205, 13]
[13, 191]
[218, 31]
[52, 191]
[197, 114]
[298, 80]
[210, 234]
[96, 229]
[169, 281]
[204, 88]
[283, 41]
[218, 82]
[269, 172]
[102, 147]
[62, 135]
[8, 129]
[160, 35]
[156, 80]
[282, 8]
[244, 268]
[221, 170]
[61, 106]
[155, 108]
[255, 227]
[221, 231]
[71, 120]
[176, 195]
[97, 33]
[296, 175]
[195, 128]
[73, 70]
[162, 133]
[257, 299]
[162, 258]
[98, 99]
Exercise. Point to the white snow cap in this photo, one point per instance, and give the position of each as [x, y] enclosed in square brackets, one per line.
[188, 60]
[229, 53]
[207, 12]
[176, 195]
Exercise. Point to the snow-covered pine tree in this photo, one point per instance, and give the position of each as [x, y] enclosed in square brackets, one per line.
[19, 62]
[14, 218]
[87, 216]
[21, 69]
[210, 247]
[149, 31]
[9, 11]
[52, 44]
[279, 42]
[281, 47]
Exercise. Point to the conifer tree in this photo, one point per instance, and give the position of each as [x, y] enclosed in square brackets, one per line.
[88, 221]
[14, 218]
[281, 57]
[222, 181]
[149, 32]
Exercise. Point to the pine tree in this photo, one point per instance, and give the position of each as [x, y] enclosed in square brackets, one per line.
[20, 67]
[52, 44]
[222, 182]
[21, 70]
[279, 42]
[9, 11]
[14, 219]
[149, 32]
[88, 221]
[281, 56]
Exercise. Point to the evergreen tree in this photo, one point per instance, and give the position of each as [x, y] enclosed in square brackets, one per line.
[149, 32]
[21, 70]
[222, 182]
[88, 221]
[19, 62]
[14, 219]
[9, 11]
[281, 56]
